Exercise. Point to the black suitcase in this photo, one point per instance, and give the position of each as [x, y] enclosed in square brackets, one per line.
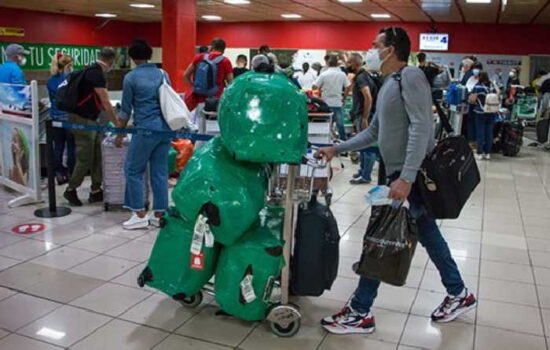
[447, 178]
[314, 264]
[542, 130]
[512, 138]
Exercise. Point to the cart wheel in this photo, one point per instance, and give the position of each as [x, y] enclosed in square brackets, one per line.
[145, 276]
[162, 222]
[285, 332]
[106, 206]
[189, 302]
[354, 157]
[328, 199]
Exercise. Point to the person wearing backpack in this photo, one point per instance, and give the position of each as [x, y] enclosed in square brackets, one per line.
[148, 147]
[208, 74]
[86, 93]
[404, 128]
[484, 111]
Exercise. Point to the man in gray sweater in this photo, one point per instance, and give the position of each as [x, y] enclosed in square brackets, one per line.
[403, 127]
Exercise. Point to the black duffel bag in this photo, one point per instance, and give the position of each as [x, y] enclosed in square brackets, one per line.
[388, 245]
[447, 178]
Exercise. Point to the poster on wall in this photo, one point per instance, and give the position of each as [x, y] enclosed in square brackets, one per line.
[18, 141]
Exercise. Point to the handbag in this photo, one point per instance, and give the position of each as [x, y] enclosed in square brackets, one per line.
[388, 245]
[174, 110]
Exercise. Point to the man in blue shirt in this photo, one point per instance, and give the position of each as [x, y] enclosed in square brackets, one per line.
[10, 71]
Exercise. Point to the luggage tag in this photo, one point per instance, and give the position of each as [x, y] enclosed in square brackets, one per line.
[198, 234]
[247, 291]
[197, 261]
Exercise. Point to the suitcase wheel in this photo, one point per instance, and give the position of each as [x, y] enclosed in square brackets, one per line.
[285, 320]
[145, 276]
[162, 222]
[106, 206]
[189, 302]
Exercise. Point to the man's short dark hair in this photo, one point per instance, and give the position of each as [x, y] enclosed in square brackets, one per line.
[107, 54]
[264, 49]
[242, 58]
[305, 66]
[478, 65]
[332, 60]
[140, 50]
[203, 49]
[421, 57]
[218, 44]
[399, 39]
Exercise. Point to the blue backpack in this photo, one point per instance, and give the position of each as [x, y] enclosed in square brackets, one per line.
[206, 76]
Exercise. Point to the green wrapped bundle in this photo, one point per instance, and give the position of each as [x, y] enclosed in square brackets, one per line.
[228, 192]
[172, 267]
[247, 270]
[263, 118]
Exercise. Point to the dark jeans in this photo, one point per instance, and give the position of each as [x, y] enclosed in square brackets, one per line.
[368, 157]
[338, 118]
[485, 124]
[436, 246]
[471, 124]
[63, 139]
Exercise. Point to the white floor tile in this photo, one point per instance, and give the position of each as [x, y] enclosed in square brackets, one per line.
[178, 342]
[21, 309]
[422, 332]
[27, 249]
[64, 258]
[18, 342]
[506, 291]
[506, 316]
[133, 250]
[507, 272]
[111, 299]
[492, 338]
[353, 342]
[104, 267]
[262, 338]
[98, 243]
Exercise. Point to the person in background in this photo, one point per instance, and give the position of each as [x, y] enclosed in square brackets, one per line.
[260, 64]
[513, 78]
[430, 69]
[203, 49]
[484, 121]
[94, 97]
[364, 93]
[63, 139]
[535, 82]
[224, 77]
[332, 83]
[326, 66]
[316, 67]
[469, 122]
[10, 71]
[306, 77]
[140, 101]
[498, 78]
[467, 73]
[404, 128]
[242, 63]
[264, 50]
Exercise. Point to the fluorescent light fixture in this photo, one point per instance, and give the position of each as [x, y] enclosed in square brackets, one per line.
[237, 2]
[350, 1]
[291, 15]
[212, 18]
[51, 333]
[143, 6]
[478, 1]
[105, 15]
[380, 15]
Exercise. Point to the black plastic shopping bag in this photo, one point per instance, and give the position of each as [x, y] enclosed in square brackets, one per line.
[388, 245]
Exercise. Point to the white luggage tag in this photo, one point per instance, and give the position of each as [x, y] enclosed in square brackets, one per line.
[247, 290]
[198, 235]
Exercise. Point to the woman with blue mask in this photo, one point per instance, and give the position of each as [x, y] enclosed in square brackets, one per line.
[477, 68]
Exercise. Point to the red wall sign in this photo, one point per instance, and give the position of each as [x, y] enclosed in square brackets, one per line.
[26, 229]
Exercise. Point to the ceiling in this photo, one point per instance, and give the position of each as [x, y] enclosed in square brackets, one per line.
[516, 11]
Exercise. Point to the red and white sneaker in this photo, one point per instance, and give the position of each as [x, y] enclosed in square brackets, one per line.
[452, 307]
[349, 321]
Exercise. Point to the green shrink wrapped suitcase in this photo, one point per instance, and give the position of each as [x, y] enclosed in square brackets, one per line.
[248, 270]
[263, 118]
[172, 267]
[229, 192]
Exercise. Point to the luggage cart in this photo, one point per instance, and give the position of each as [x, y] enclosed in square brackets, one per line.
[284, 317]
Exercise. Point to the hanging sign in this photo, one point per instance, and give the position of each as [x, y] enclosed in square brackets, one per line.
[434, 42]
[10, 31]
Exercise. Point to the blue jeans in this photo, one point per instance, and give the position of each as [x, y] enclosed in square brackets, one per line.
[484, 132]
[147, 147]
[471, 124]
[368, 157]
[338, 117]
[436, 246]
[63, 139]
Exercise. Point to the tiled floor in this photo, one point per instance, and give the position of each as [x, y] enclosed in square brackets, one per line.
[73, 286]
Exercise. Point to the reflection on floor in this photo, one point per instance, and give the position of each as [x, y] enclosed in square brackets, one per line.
[73, 286]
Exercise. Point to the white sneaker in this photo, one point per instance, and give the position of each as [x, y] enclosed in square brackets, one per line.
[153, 220]
[136, 222]
[487, 156]
[479, 156]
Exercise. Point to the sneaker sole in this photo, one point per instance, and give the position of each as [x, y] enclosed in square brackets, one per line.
[456, 314]
[344, 331]
[135, 226]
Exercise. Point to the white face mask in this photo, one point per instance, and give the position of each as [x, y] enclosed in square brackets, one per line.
[23, 61]
[373, 60]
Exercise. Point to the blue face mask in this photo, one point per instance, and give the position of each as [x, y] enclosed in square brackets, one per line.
[476, 72]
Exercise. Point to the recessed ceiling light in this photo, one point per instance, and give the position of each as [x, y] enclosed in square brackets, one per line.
[105, 15]
[211, 18]
[237, 2]
[380, 15]
[351, 1]
[291, 15]
[478, 1]
[142, 6]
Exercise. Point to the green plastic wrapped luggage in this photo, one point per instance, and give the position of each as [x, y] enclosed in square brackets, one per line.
[229, 192]
[183, 259]
[263, 118]
[247, 271]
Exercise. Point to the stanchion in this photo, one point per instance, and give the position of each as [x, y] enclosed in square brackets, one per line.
[52, 211]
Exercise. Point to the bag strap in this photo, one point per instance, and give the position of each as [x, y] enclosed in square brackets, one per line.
[164, 74]
[398, 76]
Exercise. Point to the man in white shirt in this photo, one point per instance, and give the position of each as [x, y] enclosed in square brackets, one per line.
[334, 85]
[306, 77]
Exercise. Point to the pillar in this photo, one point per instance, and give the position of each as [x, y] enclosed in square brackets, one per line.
[179, 32]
